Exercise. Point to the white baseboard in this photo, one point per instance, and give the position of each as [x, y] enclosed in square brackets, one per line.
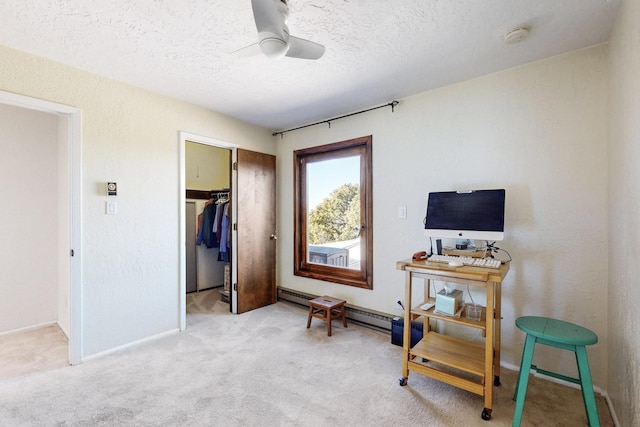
[64, 331]
[129, 345]
[29, 328]
[611, 409]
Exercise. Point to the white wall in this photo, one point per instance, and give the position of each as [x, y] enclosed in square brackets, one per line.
[28, 218]
[624, 215]
[540, 132]
[130, 261]
[207, 167]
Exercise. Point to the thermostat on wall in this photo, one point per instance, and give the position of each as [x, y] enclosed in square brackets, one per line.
[112, 189]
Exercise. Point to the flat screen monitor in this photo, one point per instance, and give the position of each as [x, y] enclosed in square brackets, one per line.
[477, 214]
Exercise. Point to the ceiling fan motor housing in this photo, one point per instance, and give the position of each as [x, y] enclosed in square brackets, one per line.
[273, 34]
[273, 45]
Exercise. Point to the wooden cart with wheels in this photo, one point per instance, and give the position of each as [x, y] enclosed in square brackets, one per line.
[469, 365]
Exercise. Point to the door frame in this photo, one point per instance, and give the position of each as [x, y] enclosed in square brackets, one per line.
[182, 288]
[74, 177]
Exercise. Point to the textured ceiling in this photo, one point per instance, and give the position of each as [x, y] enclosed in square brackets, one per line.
[376, 50]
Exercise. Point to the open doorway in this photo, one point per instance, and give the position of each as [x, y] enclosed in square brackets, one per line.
[207, 219]
[205, 180]
[40, 182]
[254, 237]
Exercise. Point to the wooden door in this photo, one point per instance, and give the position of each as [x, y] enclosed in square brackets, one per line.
[256, 230]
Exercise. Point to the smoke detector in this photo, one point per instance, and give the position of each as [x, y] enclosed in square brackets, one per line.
[515, 35]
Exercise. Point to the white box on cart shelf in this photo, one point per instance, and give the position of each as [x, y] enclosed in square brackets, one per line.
[449, 303]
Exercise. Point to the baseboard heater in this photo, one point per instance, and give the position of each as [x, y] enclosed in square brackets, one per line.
[366, 317]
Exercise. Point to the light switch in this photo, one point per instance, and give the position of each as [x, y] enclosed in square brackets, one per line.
[112, 207]
[402, 212]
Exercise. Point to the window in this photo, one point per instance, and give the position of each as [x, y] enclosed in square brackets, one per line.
[333, 212]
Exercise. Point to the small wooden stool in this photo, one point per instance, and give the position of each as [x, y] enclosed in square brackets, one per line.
[327, 308]
[564, 335]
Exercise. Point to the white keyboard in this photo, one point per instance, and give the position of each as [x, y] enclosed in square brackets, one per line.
[467, 260]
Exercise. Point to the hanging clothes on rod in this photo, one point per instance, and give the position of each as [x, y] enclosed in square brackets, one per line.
[223, 224]
[207, 230]
[214, 223]
[225, 236]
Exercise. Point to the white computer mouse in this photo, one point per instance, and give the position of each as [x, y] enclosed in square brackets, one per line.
[455, 264]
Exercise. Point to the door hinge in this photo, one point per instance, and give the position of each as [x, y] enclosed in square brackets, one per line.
[235, 287]
[235, 226]
[72, 252]
[235, 166]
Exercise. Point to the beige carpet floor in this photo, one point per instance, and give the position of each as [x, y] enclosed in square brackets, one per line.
[262, 368]
[32, 352]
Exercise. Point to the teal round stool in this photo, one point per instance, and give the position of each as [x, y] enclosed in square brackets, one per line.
[564, 335]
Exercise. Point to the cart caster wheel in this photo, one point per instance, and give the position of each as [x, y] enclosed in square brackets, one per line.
[403, 382]
[496, 380]
[486, 414]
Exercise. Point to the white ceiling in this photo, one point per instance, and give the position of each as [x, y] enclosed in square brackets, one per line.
[376, 50]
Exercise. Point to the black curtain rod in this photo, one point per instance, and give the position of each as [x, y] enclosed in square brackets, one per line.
[391, 104]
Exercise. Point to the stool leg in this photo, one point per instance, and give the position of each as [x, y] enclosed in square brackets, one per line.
[520, 372]
[587, 386]
[310, 316]
[344, 317]
[523, 378]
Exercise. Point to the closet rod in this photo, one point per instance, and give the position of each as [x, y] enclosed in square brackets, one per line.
[220, 194]
[391, 104]
[204, 194]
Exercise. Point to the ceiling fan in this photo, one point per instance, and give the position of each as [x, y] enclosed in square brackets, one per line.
[274, 40]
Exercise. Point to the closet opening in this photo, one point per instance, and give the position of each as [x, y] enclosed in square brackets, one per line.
[208, 219]
[251, 185]
[207, 211]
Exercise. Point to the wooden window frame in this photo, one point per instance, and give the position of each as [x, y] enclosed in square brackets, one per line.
[362, 278]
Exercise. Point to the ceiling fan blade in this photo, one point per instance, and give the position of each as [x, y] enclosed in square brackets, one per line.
[304, 49]
[268, 16]
[247, 51]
